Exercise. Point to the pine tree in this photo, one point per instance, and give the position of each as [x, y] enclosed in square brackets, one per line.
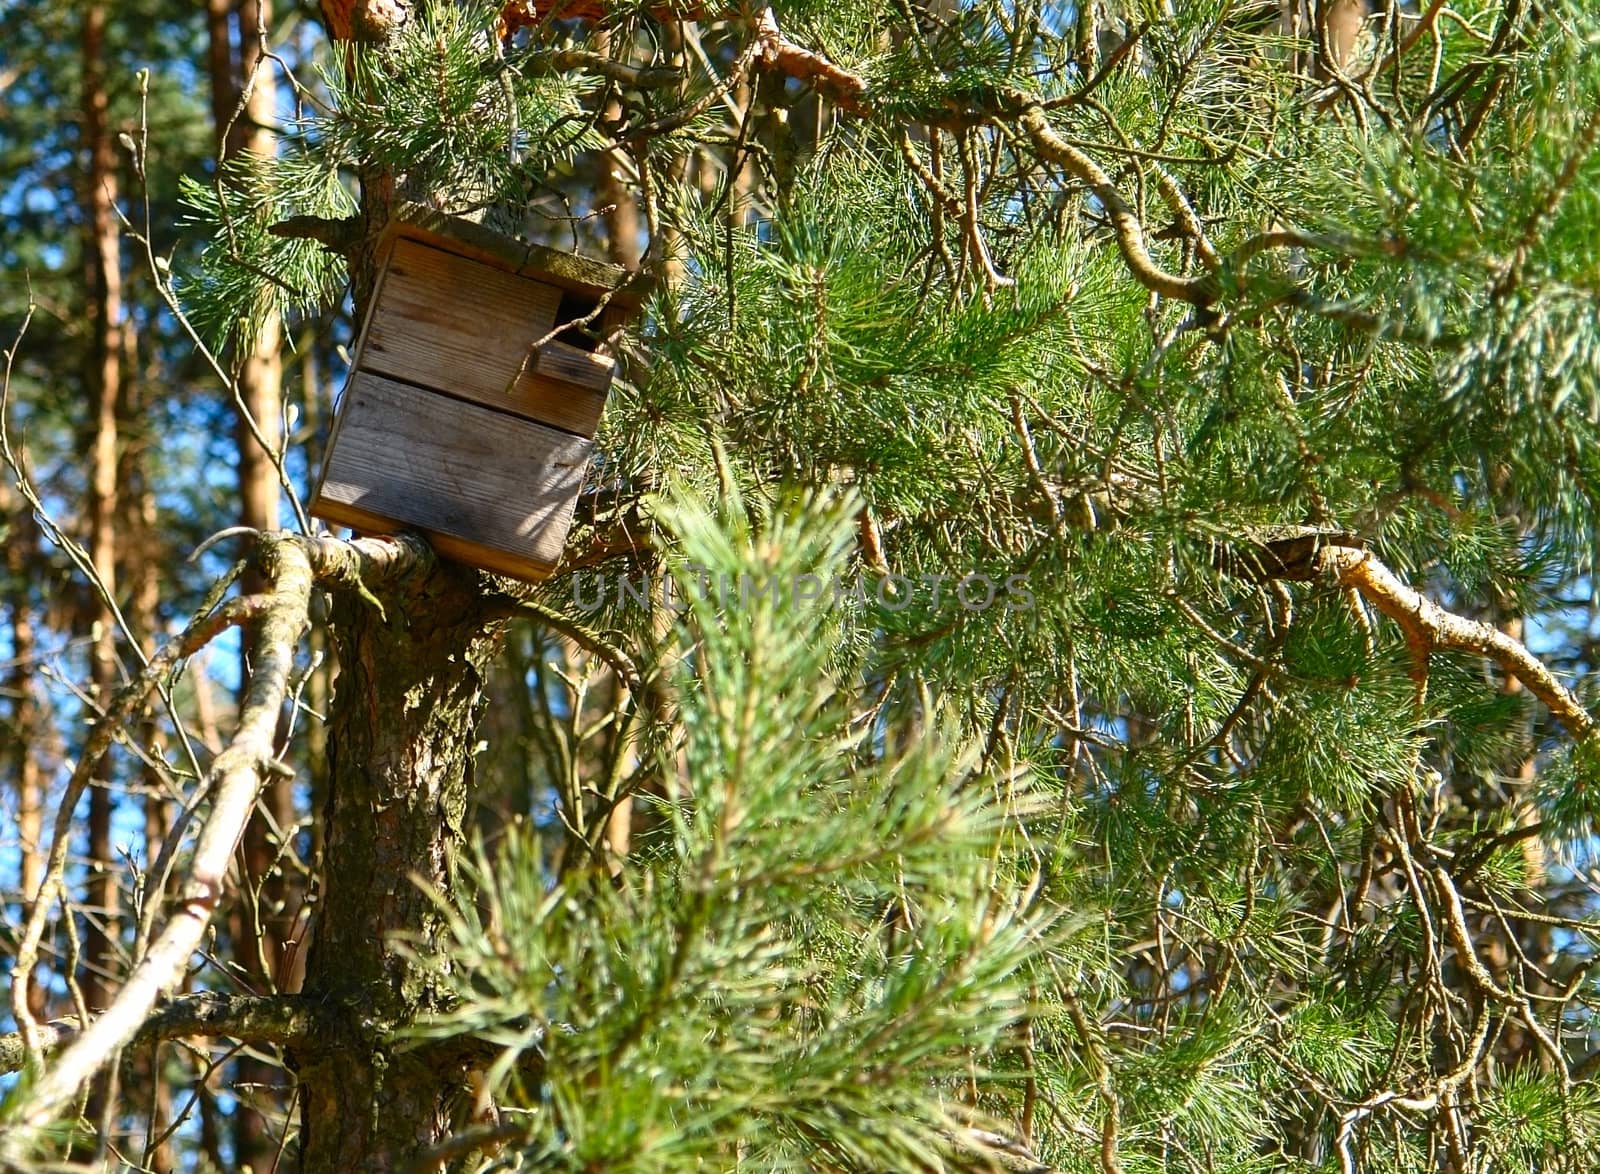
[1075, 651]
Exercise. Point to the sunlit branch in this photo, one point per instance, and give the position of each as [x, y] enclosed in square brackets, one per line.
[1430, 626]
[234, 780]
[293, 564]
[285, 1020]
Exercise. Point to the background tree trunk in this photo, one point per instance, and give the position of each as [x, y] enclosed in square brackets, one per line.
[143, 554]
[104, 309]
[25, 730]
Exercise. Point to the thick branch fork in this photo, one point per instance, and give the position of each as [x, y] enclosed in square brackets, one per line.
[293, 564]
[1428, 626]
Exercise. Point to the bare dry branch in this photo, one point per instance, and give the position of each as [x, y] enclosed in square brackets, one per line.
[128, 702]
[293, 563]
[235, 778]
[1431, 626]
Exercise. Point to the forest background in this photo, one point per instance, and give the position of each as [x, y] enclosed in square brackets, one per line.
[1257, 340]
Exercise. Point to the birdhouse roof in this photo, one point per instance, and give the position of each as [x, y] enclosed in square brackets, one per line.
[571, 271]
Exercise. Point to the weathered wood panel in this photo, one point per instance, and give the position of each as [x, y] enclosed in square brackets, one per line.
[453, 324]
[464, 328]
[568, 364]
[486, 487]
[562, 405]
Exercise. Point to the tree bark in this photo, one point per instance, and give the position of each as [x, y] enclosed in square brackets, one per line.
[104, 309]
[407, 706]
[403, 726]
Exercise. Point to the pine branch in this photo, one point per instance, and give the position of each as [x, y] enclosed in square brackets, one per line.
[583, 636]
[339, 236]
[851, 92]
[638, 77]
[704, 102]
[841, 86]
[373, 21]
[1200, 291]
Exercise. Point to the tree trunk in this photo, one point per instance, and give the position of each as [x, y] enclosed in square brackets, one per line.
[258, 428]
[142, 555]
[104, 309]
[402, 731]
[103, 382]
[261, 372]
[406, 710]
[623, 227]
[25, 732]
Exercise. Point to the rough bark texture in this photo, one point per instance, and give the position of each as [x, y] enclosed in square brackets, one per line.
[406, 710]
[403, 725]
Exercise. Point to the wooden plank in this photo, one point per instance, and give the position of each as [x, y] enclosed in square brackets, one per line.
[361, 341]
[562, 405]
[568, 364]
[487, 488]
[456, 325]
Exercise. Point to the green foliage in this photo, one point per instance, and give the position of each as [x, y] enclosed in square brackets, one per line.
[813, 964]
[865, 825]
[462, 124]
[1531, 1121]
[245, 273]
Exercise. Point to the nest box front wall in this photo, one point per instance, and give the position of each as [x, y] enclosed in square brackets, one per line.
[451, 425]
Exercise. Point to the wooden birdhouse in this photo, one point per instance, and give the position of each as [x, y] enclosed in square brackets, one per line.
[463, 418]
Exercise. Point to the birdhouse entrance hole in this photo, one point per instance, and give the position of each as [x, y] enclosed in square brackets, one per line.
[576, 307]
